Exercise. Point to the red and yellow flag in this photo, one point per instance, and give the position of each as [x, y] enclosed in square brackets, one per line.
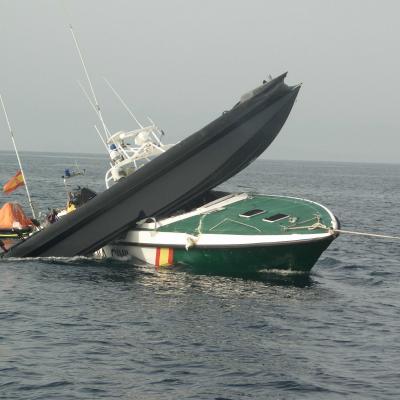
[16, 181]
[164, 257]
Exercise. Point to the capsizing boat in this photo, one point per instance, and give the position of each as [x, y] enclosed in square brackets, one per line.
[191, 223]
[219, 232]
[226, 233]
[188, 170]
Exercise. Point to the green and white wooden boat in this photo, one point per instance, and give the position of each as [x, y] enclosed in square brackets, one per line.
[234, 234]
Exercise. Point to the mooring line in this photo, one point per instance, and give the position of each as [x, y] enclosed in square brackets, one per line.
[321, 226]
[367, 234]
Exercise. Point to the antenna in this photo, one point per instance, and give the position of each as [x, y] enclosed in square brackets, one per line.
[123, 103]
[19, 160]
[101, 138]
[96, 103]
[87, 96]
[157, 130]
[94, 108]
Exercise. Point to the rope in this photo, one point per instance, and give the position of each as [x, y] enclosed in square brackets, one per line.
[200, 225]
[191, 241]
[317, 225]
[321, 226]
[367, 234]
[236, 222]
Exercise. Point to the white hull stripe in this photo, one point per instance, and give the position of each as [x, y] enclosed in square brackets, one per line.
[172, 239]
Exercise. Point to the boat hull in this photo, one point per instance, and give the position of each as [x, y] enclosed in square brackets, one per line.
[241, 261]
[228, 260]
[219, 238]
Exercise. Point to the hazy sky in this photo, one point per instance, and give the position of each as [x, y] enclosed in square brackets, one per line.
[183, 62]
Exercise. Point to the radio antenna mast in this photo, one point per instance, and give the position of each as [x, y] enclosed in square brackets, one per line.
[19, 160]
[123, 102]
[96, 103]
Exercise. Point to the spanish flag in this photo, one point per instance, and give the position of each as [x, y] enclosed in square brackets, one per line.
[16, 181]
[164, 257]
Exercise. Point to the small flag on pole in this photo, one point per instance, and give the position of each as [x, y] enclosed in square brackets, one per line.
[16, 181]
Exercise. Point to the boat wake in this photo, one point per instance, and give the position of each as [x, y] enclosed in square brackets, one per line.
[284, 272]
[77, 260]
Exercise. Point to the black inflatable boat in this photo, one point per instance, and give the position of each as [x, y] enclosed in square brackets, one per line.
[192, 167]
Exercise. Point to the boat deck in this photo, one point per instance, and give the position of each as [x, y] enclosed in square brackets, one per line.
[289, 215]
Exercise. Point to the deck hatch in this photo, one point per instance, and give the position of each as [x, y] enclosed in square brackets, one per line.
[275, 217]
[252, 213]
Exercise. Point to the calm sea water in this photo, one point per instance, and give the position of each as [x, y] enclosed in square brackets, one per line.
[86, 329]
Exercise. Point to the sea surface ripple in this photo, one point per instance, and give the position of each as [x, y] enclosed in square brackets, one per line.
[86, 329]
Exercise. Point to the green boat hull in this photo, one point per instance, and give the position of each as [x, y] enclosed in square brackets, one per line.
[251, 260]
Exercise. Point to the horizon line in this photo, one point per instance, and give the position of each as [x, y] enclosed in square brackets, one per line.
[258, 159]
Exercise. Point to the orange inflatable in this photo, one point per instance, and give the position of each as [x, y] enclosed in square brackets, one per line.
[12, 216]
